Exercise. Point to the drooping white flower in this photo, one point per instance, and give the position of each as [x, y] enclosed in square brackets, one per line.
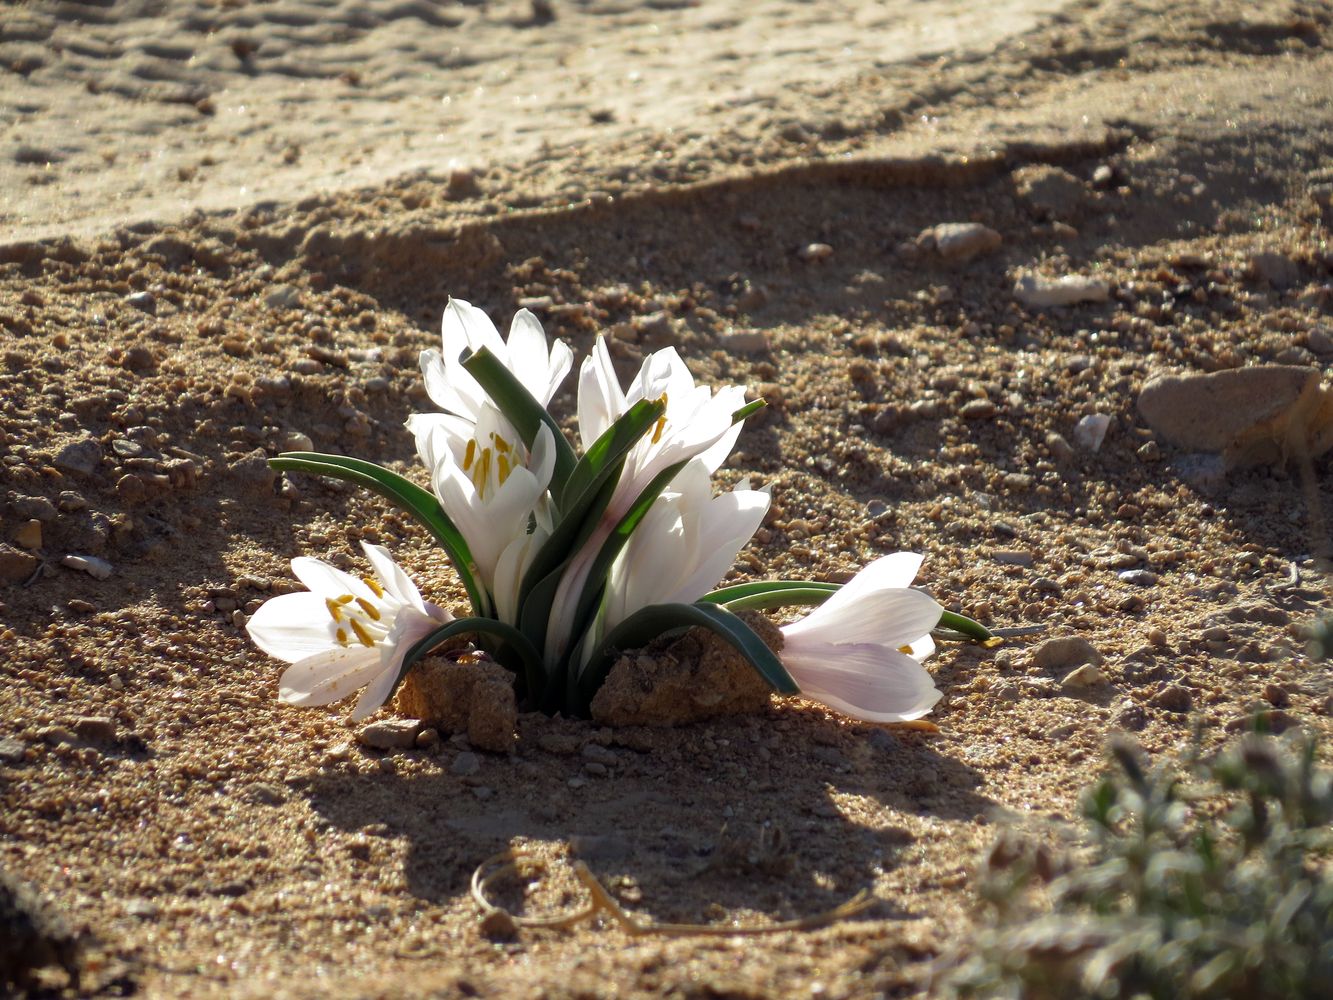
[467, 328]
[860, 652]
[684, 545]
[697, 425]
[344, 633]
[493, 491]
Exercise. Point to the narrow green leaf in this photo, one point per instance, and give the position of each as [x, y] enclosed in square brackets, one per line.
[522, 410]
[609, 451]
[960, 623]
[408, 496]
[764, 588]
[747, 410]
[649, 623]
[788, 597]
[511, 639]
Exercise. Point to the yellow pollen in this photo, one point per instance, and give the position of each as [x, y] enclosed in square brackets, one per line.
[500, 443]
[470, 454]
[504, 467]
[342, 636]
[905, 649]
[335, 610]
[374, 586]
[361, 633]
[661, 426]
[346, 599]
[370, 609]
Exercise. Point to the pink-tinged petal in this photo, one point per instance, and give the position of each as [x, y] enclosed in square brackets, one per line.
[329, 676]
[293, 626]
[863, 612]
[866, 681]
[396, 583]
[326, 581]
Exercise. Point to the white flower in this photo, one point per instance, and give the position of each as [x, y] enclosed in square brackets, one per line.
[344, 633]
[697, 425]
[492, 490]
[860, 651]
[684, 546]
[467, 328]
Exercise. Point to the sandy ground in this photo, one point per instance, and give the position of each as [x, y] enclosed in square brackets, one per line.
[228, 225]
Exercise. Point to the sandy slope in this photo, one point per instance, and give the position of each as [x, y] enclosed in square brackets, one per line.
[216, 843]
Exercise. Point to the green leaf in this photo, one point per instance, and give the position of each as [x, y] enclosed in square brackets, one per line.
[747, 410]
[512, 641]
[763, 594]
[961, 623]
[657, 620]
[607, 454]
[522, 410]
[406, 495]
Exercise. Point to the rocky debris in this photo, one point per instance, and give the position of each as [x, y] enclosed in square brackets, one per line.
[957, 242]
[12, 751]
[1263, 414]
[465, 765]
[1066, 651]
[253, 472]
[282, 297]
[143, 301]
[15, 564]
[80, 458]
[473, 696]
[98, 569]
[1174, 698]
[814, 252]
[1051, 192]
[1086, 676]
[674, 681]
[390, 734]
[32, 936]
[96, 729]
[29, 534]
[1038, 291]
[1090, 432]
[744, 341]
[1277, 269]
[34, 508]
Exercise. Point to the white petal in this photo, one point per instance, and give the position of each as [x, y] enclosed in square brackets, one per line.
[293, 626]
[892, 617]
[923, 648]
[326, 581]
[509, 570]
[396, 583]
[731, 522]
[466, 327]
[531, 361]
[600, 398]
[329, 676]
[865, 681]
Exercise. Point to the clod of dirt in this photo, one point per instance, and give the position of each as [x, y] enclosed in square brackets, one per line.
[674, 681]
[473, 696]
[32, 937]
[1264, 414]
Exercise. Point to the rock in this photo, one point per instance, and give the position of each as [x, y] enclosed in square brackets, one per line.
[815, 251]
[131, 489]
[1277, 269]
[95, 728]
[1250, 416]
[465, 764]
[98, 569]
[977, 409]
[1138, 577]
[1066, 651]
[1320, 339]
[474, 697]
[29, 534]
[1103, 177]
[957, 242]
[675, 681]
[1206, 473]
[15, 564]
[1174, 698]
[143, 301]
[1052, 192]
[253, 472]
[1085, 676]
[1091, 431]
[390, 734]
[744, 341]
[1041, 292]
[35, 508]
[80, 458]
[12, 751]
[1061, 450]
[282, 297]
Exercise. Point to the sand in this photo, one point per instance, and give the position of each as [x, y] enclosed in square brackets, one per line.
[226, 228]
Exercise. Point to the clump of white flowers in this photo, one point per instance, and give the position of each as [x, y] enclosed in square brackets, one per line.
[568, 557]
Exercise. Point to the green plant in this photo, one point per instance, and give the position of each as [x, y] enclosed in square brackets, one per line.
[1207, 879]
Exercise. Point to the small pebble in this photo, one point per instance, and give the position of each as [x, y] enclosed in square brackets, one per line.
[960, 241]
[1138, 577]
[815, 251]
[1066, 651]
[1085, 676]
[98, 569]
[1174, 698]
[29, 534]
[1040, 292]
[143, 301]
[465, 764]
[1090, 432]
[390, 734]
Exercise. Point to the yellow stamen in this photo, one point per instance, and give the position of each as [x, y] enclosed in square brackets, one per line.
[500, 443]
[341, 636]
[369, 609]
[661, 426]
[346, 599]
[361, 633]
[905, 649]
[374, 586]
[335, 611]
[470, 454]
[504, 467]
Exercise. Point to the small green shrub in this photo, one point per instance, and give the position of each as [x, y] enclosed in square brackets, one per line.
[1200, 880]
